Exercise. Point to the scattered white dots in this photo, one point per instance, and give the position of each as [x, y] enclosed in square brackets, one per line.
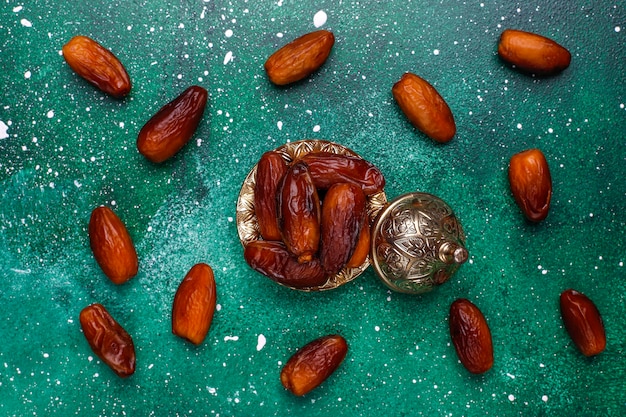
[377, 328]
[320, 18]
[519, 126]
[129, 27]
[179, 76]
[279, 125]
[228, 58]
[181, 26]
[436, 52]
[26, 23]
[261, 340]
[3, 130]
[622, 106]
[50, 114]
[544, 398]
[618, 29]
[230, 219]
[550, 130]
[511, 397]
[122, 125]
[228, 33]
[231, 338]
[279, 35]
[27, 74]
[113, 203]
[316, 128]
[17, 9]
[46, 355]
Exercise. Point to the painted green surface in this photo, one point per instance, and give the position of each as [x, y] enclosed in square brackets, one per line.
[69, 148]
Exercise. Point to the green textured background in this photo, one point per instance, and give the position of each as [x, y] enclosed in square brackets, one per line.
[69, 148]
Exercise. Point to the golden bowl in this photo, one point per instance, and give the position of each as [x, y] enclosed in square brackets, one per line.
[247, 223]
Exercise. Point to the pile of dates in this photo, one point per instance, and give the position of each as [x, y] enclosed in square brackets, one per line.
[312, 216]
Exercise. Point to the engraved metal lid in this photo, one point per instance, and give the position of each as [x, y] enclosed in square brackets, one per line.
[417, 243]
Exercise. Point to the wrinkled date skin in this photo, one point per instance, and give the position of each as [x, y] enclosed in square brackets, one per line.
[112, 245]
[194, 304]
[424, 107]
[471, 336]
[173, 125]
[273, 260]
[343, 212]
[97, 65]
[313, 364]
[533, 53]
[531, 183]
[270, 171]
[108, 339]
[328, 168]
[299, 212]
[583, 322]
[299, 58]
[362, 248]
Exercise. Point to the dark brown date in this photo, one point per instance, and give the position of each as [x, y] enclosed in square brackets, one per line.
[108, 339]
[583, 322]
[173, 125]
[328, 168]
[362, 248]
[313, 364]
[471, 336]
[270, 171]
[299, 212]
[343, 212]
[273, 260]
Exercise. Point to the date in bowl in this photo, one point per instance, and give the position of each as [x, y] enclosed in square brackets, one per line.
[247, 221]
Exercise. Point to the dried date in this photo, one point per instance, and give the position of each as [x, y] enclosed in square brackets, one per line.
[271, 168]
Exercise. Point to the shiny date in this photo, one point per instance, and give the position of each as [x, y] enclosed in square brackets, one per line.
[471, 336]
[271, 168]
[583, 322]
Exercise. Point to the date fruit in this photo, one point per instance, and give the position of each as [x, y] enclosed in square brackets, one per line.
[299, 58]
[194, 304]
[108, 339]
[343, 213]
[531, 183]
[313, 364]
[271, 168]
[328, 168]
[583, 322]
[533, 53]
[471, 336]
[169, 130]
[97, 65]
[362, 248]
[424, 107]
[299, 212]
[273, 260]
[112, 246]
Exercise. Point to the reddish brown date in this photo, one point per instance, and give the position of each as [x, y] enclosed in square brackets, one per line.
[194, 304]
[362, 248]
[424, 107]
[471, 336]
[343, 212]
[273, 260]
[533, 53]
[531, 183]
[173, 125]
[108, 339]
[583, 322]
[97, 65]
[313, 364]
[269, 173]
[112, 245]
[299, 212]
[328, 168]
[299, 58]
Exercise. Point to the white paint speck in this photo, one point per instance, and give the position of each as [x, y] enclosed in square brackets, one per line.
[181, 26]
[377, 328]
[228, 33]
[279, 125]
[46, 355]
[436, 52]
[511, 397]
[260, 342]
[17, 9]
[519, 126]
[279, 35]
[316, 128]
[179, 76]
[50, 114]
[27, 74]
[510, 375]
[77, 184]
[232, 338]
[122, 125]
[544, 398]
[228, 58]
[26, 23]
[550, 130]
[320, 18]
[203, 13]
[618, 29]
[3, 130]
